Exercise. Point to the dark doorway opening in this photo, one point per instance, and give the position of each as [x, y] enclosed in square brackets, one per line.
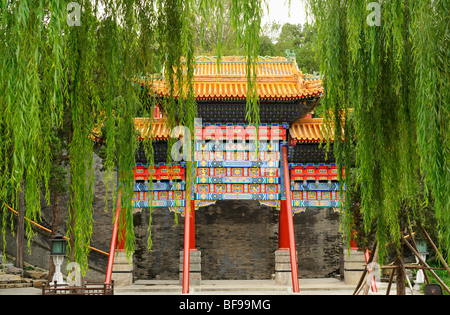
[238, 240]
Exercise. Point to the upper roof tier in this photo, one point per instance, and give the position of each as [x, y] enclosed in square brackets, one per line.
[278, 78]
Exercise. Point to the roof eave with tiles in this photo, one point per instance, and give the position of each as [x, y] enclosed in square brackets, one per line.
[278, 78]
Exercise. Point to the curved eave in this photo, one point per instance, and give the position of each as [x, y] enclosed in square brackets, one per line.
[241, 97]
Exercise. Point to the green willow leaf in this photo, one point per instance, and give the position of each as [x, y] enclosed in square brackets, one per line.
[57, 76]
[394, 78]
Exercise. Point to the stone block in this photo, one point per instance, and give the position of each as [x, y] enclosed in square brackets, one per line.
[283, 274]
[35, 274]
[38, 283]
[122, 272]
[9, 268]
[354, 266]
[195, 268]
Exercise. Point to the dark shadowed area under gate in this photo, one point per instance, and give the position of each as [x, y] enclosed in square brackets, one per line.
[238, 240]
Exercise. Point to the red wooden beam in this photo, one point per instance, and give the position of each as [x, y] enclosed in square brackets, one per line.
[159, 172]
[315, 173]
[187, 244]
[287, 185]
[192, 228]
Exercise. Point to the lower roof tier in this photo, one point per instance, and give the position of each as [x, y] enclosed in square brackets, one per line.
[300, 131]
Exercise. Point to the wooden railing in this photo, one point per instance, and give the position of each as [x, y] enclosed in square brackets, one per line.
[87, 289]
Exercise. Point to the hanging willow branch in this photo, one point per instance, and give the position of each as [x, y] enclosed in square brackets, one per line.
[395, 78]
[246, 18]
[83, 102]
[28, 112]
[49, 67]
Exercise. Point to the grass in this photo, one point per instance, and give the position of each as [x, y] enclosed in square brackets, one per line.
[442, 274]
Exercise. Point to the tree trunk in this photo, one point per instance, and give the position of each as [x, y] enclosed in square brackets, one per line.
[20, 229]
[401, 277]
[55, 225]
[72, 227]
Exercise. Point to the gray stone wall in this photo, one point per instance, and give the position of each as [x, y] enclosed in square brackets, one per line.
[162, 261]
[39, 252]
[319, 243]
[238, 240]
[103, 218]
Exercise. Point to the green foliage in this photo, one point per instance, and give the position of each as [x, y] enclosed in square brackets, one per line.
[442, 274]
[25, 122]
[275, 39]
[58, 171]
[395, 77]
[50, 69]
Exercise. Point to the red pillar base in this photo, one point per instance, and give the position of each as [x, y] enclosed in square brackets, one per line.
[283, 229]
[283, 273]
[189, 243]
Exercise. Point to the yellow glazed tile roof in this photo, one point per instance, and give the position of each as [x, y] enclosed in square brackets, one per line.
[277, 78]
[303, 130]
[159, 128]
[308, 130]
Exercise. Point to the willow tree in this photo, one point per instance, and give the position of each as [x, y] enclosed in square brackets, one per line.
[388, 61]
[31, 72]
[83, 57]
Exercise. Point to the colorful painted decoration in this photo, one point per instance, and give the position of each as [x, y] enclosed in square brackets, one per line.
[230, 170]
[296, 210]
[308, 188]
[160, 172]
[235, 171]
[240, 132]
[314, 172]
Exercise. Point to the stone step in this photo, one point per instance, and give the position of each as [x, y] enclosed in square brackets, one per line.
[172, 286]
[247, 287]
[15, 285]
[10, 281]
[9, 278]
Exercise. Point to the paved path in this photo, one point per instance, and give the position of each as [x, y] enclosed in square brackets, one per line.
[224, 287]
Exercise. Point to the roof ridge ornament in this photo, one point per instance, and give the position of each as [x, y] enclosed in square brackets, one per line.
[291, 56]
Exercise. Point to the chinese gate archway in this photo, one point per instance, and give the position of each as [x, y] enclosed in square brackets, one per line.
[276, 165]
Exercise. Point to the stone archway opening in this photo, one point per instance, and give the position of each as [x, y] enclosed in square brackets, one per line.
[237, 239]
